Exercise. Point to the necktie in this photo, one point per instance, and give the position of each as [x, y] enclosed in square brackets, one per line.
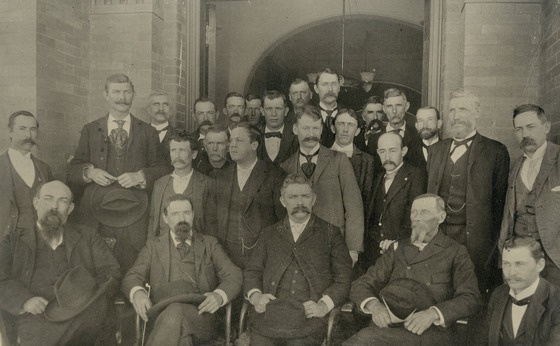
[425, 146]
[164, 129]
[118, 137]
[329, 112]
[521, 302]
[273, 134]
[309, 167]
[183, 249]
[461, 147]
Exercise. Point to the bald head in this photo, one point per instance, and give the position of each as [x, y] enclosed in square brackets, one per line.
[391, 150]
[53, 198]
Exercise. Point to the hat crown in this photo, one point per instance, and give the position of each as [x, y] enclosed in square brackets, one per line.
[75, 288]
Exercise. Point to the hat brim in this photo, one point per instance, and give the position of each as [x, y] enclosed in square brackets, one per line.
[55, 313]
[188, 298]
[95, 195]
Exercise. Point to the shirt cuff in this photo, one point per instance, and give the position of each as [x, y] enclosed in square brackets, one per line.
[364, 303]
[134, 290]
[87, 180]
[142, 184]
[441, 321]
[223, 295]
[251, 292]
[328, 302]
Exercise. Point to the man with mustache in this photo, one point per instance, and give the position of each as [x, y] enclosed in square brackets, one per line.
[300, 95]
[184, 180]
[247, 195]
[393, 192]
[191, 278]
[21, 173]
[253, 111]
[215, 156]
[279, 141]
[525, 309]
[327, 86]
[469, 171]
[234, 109]
[428, 123]
[160, 108]
[429, 259]
[34, 266]
[372, 111]
[299, 271]
[117, 149]
[339, 199]
[533, 197]
[395, 106]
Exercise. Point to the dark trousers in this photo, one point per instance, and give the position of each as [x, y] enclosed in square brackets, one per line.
[310, 340]
[80, 330]
[376, 336]
[180, 324]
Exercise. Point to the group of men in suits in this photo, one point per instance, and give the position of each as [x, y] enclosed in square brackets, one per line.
[231, 174]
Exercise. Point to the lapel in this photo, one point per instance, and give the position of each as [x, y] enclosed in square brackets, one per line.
[285, 142]
[399, 182]
[307, 231]
[510, 202]
[43, 174]
[548, 162]
[105, 142]
[135, 129]
[29, 238]
[377, 184]
[6, 174]
[534, 311]
[256, 178]
[224, 184]
[71, 238]
[323, 160]
[434, 247]
[356, 159]
[497, 317]
[199, 249]
[475, 153]
[162, 249]
[285, 230]
[446, 147]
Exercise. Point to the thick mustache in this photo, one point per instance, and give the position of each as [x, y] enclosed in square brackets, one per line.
[389, 162]
[122, 102]
[311, 139]
[330, 94]
[301, 208]
[179, 161]
[527, 141]
[30, 141]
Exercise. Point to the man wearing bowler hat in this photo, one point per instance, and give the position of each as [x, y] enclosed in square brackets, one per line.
[299, 271]
[191, 278]
[120, 155]
[55, 277]
[428, 259]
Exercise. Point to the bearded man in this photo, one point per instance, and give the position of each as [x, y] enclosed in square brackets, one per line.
[429, 262]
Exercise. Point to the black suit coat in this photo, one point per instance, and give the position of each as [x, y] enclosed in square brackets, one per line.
[411, 140]
[288, 145]
[8, 208]
[320, 251]
[263, 207]
[362, 163]
[542, 317]
[164, 144]
[409, 182]
[488, 167]
[143, 151]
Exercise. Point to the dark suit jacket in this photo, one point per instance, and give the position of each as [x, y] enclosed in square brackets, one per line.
[263, 206]
[319, 250]
[488, 167]
[547, 204]
[288, 145]
[198, 191]
[542, 317]
[8, 208]
[143, 151]
[411, 140]
[164, 144]
[362, 164]
[338, 195]
[444, 266]
[213, 267]
[409, 182]
[17, 262]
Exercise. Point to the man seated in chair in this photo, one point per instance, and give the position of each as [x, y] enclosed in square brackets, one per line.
[299, 270]
[190, 275]
[56, 278]
[419, 286]
[525, 310]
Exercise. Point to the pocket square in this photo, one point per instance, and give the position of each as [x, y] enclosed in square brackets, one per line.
[555, 189]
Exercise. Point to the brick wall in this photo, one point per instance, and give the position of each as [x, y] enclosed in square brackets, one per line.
[550, 67]
[18, 82]
[62, 77]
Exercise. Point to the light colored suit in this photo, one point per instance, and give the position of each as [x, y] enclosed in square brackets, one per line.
[339, 200]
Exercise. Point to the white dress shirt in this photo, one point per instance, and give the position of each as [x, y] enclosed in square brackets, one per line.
[461, 150]
[347, 149]
[180, 183]
[273, 144]
[158, 128]
[517, 312]
[23, 164]
[390, 128]
[243, 174]
[425, 150]
[302, 158]
[324, 114]
[531, 166]
[390, 177]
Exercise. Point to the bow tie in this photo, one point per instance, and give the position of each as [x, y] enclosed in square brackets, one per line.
[521, 302]
[164, 129]
[277, 134]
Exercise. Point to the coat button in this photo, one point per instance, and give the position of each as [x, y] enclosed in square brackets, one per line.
[427, 284]
[408, 268]
[272, 283]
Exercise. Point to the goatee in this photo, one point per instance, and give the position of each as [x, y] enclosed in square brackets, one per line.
[51, 224]
[183, 231]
